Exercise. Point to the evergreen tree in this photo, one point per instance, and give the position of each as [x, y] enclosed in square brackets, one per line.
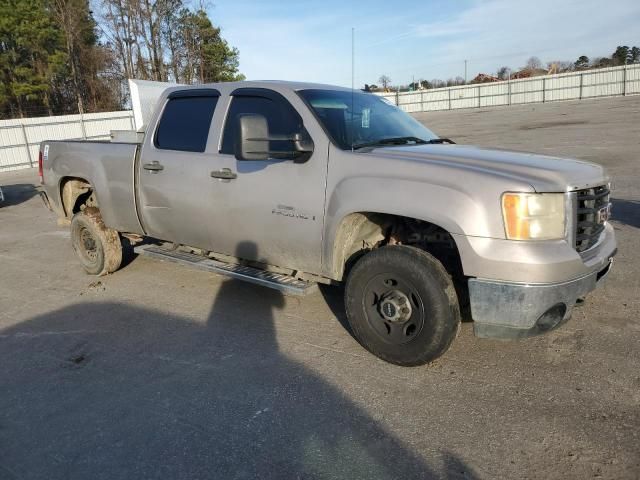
[209, 56]
[29, 57]
[582, 62]
[621, 55]
[52, 60]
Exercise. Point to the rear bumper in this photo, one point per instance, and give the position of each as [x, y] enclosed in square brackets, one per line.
[516, 310]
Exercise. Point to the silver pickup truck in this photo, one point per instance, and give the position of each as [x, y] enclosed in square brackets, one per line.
[293, 184]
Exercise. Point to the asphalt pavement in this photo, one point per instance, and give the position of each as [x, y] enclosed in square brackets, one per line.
[159, 371]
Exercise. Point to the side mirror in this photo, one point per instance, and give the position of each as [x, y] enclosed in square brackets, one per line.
[253, 141]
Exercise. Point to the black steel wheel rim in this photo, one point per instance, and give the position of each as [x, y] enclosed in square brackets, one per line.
[384, 295]
[87, 245]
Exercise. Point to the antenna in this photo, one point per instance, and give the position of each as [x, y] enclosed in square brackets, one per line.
[353, 78]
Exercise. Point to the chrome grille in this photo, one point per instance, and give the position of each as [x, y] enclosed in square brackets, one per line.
[590, 221]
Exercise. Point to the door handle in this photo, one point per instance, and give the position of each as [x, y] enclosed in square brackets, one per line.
[225, 174]
[154, 167]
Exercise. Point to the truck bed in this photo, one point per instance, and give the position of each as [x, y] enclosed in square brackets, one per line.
[108, 166]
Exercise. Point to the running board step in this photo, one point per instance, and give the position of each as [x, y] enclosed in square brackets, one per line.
[278, 281]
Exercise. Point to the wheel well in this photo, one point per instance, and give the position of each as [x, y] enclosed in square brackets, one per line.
[76, 193]
[362, 232]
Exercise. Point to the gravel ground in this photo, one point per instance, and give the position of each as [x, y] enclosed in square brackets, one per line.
[159, 371]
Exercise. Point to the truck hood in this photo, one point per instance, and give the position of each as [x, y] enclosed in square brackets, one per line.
[544, 173]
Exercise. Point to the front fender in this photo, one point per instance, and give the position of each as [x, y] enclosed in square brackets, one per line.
[451, 209]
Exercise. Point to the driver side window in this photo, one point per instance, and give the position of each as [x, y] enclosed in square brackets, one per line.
[281, 118]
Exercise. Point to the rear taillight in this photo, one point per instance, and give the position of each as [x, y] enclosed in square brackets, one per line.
[40, 168]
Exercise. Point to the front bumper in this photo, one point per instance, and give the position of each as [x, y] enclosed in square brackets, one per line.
[516, 310]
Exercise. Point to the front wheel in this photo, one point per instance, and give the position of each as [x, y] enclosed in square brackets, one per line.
[98, 247]
[402, 305]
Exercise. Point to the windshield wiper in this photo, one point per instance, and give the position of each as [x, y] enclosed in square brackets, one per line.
[441, 140]
[390, 141]
[401, 141]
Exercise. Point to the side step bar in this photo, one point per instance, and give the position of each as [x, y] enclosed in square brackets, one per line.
[278, 281]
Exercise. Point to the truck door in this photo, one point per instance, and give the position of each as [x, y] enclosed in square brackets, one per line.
[271, 211]
[173, 176]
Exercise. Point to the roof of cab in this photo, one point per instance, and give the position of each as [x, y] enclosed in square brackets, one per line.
[296, 86]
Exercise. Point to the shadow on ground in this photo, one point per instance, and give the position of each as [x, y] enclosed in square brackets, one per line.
[626, 211]
[106, 390]
[17, 194]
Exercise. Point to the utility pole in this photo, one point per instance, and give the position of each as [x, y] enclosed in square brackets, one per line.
[465, 72]
[353, 77]
[353, 57]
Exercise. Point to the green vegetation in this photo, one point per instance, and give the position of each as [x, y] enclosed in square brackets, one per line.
[55, 59]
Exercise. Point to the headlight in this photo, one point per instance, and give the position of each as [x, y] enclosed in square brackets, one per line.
[533, 216]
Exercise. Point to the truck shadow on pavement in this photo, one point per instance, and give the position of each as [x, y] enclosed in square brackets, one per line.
[108, 390]
[17, 194]
[626, 211]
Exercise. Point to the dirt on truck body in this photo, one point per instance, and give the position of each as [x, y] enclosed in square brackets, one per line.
[336, 186]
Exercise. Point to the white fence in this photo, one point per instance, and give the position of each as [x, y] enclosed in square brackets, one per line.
[20, 138]
[603, 82]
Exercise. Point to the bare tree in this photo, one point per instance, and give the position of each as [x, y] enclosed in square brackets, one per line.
[67, 16]
[86, 58]
[533, 63]
[165, 39]
[385, 81]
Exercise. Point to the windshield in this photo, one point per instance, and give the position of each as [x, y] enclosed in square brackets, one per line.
[372, 121]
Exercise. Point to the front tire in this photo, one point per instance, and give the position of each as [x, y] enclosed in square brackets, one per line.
[99, 248]
[402, 305]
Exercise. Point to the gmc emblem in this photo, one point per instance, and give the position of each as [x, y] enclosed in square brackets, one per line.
[604, 213]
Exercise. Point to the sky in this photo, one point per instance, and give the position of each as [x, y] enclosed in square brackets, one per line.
[424, 39]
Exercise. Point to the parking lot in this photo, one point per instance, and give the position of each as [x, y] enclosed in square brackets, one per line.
[158, 371]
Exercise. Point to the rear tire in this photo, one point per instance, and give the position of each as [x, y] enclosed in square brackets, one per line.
[402, 305]
[99, 248]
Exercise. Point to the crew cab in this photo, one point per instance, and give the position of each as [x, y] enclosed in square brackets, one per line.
[293, 184]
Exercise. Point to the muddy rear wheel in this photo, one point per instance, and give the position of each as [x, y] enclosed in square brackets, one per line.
[99, 248]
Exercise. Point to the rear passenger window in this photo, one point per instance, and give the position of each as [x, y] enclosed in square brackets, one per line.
[280, 115]
[185, 124]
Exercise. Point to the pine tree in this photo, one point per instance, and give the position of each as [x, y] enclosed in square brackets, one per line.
[621, 55]
[582, 62]
[50, 59]
[29, 59]
[209, 56]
